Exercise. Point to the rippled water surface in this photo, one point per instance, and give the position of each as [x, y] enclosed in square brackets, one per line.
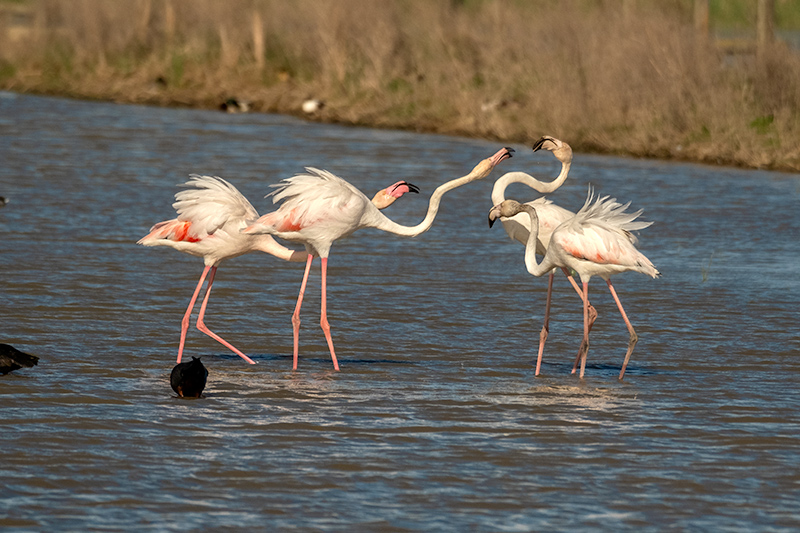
[435, 422]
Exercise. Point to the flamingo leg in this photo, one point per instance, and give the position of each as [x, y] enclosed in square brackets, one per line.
[296, 314]
[634, 338]
[188, 313]
[592, 312]
[546, 326]
[323, 321]
[584, 349]
[202, 327]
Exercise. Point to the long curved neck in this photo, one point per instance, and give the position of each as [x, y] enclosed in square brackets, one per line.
[534, 268]
[499, 189]
[384, 223]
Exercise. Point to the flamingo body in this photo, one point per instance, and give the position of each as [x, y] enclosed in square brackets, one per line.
[211, 215]
[317, 208]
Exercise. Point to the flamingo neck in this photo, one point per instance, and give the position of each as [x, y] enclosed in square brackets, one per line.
[499, 189]
[267, 244]
[534, 267]
[386, 224]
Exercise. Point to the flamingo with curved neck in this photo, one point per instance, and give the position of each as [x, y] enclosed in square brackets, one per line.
[596, 241]
[318, 208]
[550, 216]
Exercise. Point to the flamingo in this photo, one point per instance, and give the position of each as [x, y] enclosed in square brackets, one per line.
[596, 241]
[550, 216]
[211, 215]
[318, 208]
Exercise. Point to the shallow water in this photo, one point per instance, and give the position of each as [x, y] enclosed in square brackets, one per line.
[435, 421]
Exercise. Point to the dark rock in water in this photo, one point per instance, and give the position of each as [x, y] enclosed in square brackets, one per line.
[189, 379]
[3, 201]
[12, 359]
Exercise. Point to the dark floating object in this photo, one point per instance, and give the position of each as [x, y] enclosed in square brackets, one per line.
[189, 379]
[12, 359]
[3, 201]
[232, 105]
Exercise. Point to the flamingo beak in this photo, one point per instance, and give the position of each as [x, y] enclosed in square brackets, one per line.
[538, 145]
[494, 214]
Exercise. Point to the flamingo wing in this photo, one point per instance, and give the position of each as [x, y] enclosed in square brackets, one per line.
[210, 203]
[313, 197]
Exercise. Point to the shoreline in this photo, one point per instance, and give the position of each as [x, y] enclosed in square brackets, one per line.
[638, 83]
[331, 117]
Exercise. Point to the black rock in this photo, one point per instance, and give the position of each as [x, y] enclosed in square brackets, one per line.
[189, 379]
[12, 359]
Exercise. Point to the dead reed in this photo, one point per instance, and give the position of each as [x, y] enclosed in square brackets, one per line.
[634, 81]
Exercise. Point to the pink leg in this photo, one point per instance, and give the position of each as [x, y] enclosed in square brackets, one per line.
[634, 337]
[546, 326]
[592, 312]
[323, 321]
[584, 349]
[202, 327]
[188, 313]
[296, 314]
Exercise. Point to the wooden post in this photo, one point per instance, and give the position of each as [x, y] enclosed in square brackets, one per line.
[701, 26]
[258, 38]
[169, 20]
[765, 25]
[145, 8]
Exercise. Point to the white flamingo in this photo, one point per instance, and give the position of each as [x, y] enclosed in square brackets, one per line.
[318, 208]
[596, 241]
[211, 215]
[550, 216]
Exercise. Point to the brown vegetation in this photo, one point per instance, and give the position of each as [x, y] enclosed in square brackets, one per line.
[637, 81]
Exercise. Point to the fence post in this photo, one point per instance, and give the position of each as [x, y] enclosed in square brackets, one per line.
[701, 11]
[258, 38]
[765, 24]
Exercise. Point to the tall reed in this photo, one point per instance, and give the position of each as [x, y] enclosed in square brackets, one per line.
[634, 81]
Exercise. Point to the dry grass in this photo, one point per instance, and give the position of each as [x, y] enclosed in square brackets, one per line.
[640, 83]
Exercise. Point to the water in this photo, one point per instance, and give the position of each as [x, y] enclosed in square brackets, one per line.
[435, 421]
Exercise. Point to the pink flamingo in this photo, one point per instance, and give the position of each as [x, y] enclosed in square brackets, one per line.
[596, 241]
[550, 216]
[211, 215]
[318, 208]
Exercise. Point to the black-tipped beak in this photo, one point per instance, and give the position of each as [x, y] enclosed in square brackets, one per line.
[491, 221]
[411, 187]
[510, 151]
[538, 144]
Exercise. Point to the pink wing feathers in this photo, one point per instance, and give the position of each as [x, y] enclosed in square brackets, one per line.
[601, 232]
[209, 204]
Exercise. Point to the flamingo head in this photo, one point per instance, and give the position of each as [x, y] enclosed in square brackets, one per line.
[386, 197]
[560, 149]
[485, 167]
[507, 208]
